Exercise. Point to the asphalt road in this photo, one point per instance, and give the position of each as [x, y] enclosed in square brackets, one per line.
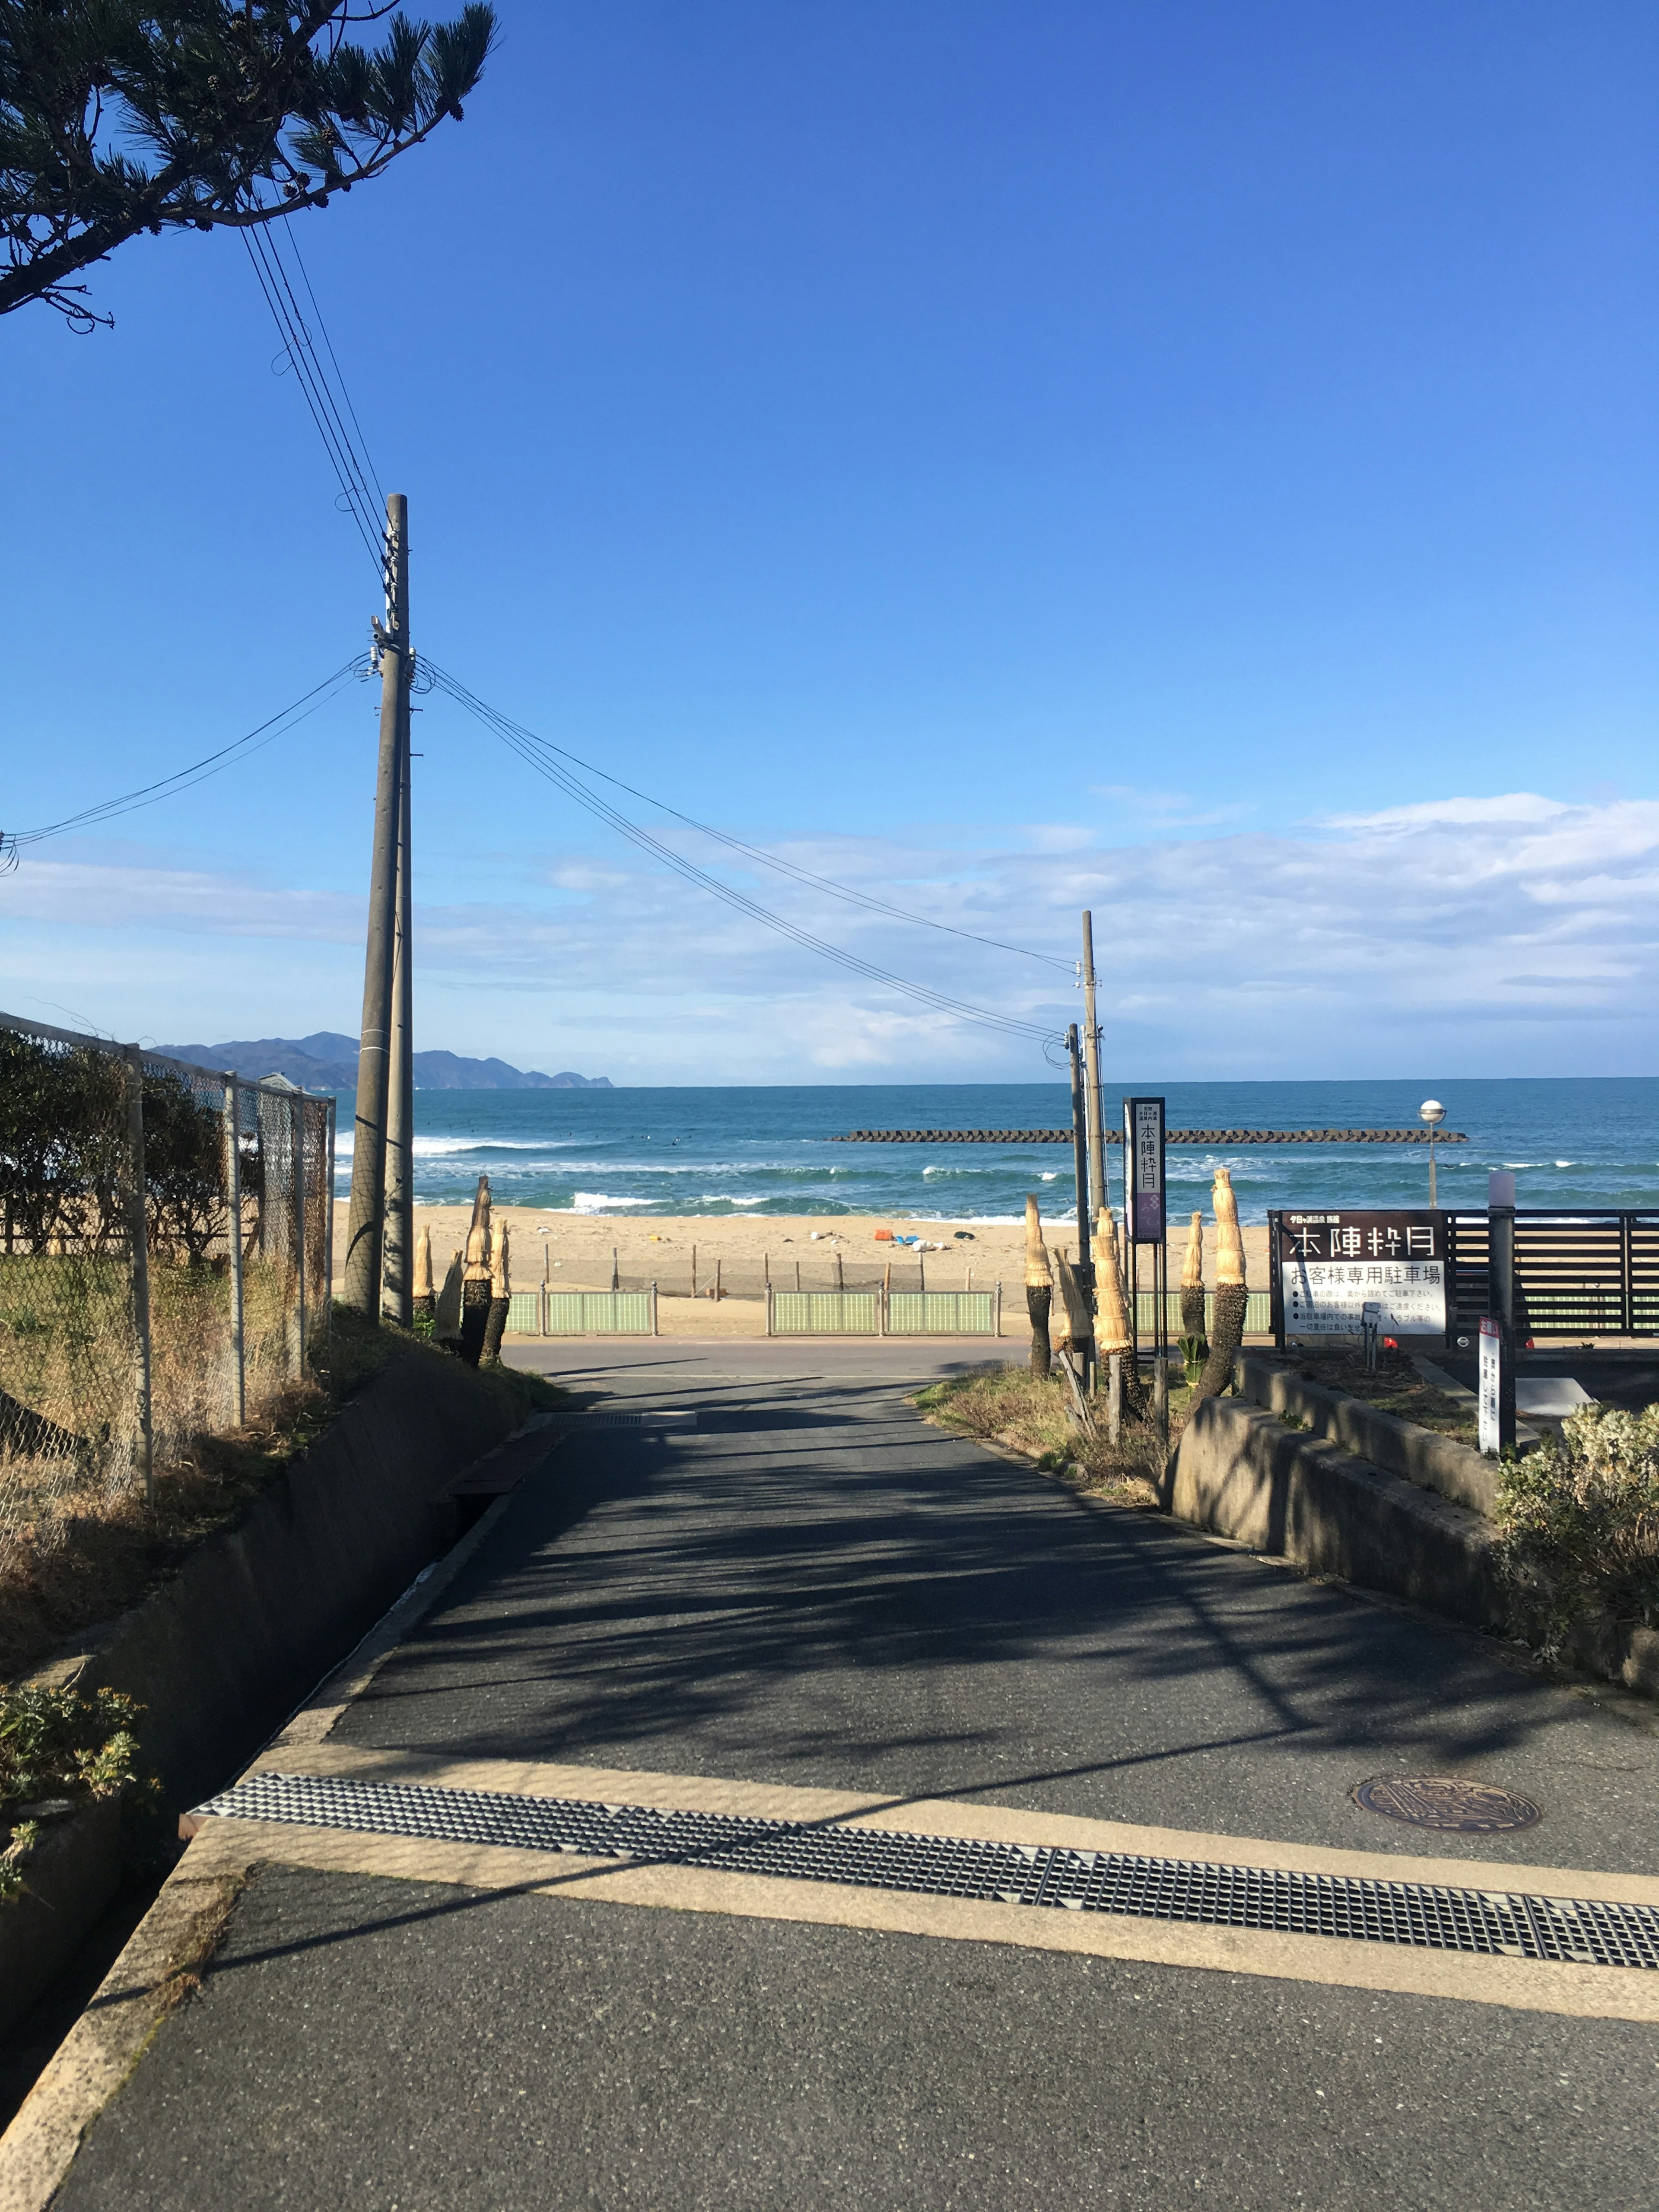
[816, 1588]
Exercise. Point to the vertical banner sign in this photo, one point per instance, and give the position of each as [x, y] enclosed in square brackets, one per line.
[1491, 1353]
[1143, 1153]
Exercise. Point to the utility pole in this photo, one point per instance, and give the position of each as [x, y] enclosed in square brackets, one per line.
[365, 1227]
[1091, 1062]
[397, 1299]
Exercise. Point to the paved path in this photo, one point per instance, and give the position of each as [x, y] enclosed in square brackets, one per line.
[814, 1591]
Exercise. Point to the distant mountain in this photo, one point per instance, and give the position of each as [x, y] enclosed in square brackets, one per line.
[326, 1060]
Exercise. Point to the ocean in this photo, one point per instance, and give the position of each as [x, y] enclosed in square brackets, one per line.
[1572, 1141]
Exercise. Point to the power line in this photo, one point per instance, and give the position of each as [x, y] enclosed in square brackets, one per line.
[348, 455]
[537, 756]
[757, 853]
[214, 763]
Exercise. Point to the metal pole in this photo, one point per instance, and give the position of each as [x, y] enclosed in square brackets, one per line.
[1500, 1262]
[366, 1230]
[1432, 1200]
[398, 1297]
[300, 1232]
[234, 1205]
[138, 1236]
[1092, 1061]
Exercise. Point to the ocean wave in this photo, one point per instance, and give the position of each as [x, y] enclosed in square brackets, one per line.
[596, 1201]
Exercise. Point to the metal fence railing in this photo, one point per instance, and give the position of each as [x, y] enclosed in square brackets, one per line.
[165, 1257]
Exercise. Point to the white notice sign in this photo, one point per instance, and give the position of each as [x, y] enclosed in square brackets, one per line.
[1333, 1266]
[1491, 1346]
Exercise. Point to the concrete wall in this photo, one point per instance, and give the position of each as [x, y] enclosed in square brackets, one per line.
[256, 1616]
[1435, 1463]
[1241, 1472]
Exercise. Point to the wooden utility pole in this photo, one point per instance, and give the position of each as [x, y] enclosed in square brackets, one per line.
[365, 1227]
[397, 1296]
[1084, 1270]
[1099, 1194]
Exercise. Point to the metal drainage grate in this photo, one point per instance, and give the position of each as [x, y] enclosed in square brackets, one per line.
[578, 1421]
[1494, 1924]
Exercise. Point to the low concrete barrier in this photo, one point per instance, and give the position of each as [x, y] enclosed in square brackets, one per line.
[1242, 1473]
[1435, 1463]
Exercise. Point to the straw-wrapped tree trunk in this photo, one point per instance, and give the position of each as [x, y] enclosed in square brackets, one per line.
[475, 1279]
[501, 1296]
[1195, 1344]
[424, 1302]
[1230, 1294]
[1039, 1287]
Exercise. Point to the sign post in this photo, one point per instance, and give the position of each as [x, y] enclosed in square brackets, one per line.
[1500, 1295]
[1143, 1141]
[1492, 1363]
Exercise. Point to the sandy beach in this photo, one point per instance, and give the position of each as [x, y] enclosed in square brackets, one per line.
[711, 1272]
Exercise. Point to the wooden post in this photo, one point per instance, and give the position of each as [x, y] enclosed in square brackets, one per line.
[398, 1297]
[694, 1270]
[299, 1234]
[616, 1277]
[1084, 1347]
[1095, 1107]
[328, 1241]
[366, 1231]
[138, 1234]
[234, 1206]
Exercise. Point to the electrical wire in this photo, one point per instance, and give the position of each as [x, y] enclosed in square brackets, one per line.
[536, 756]
[348, 454]
[758, 853]
[214, 763]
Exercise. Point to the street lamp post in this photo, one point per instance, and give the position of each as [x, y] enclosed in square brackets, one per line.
[1434, 1114]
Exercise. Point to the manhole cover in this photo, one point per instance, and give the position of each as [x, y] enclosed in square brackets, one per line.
[1444, 1801]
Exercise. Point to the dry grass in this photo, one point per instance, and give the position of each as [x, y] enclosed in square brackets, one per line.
[1395, 1388]
[1026, 1413]
[94, 1550]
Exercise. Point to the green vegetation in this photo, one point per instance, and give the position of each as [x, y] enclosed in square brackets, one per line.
[1578, 1527]
[1027, 1412]
[56, 1744]
[145, 115]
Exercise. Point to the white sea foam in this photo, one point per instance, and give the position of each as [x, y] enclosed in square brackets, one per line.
[597, 1201]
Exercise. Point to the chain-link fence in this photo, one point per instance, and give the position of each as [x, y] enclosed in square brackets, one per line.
[164, 1262]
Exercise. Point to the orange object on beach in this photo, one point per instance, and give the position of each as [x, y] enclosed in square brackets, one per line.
[884, 1235]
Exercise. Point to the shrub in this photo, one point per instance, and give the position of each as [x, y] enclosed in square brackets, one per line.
[56, 1743]
[1578, 1526]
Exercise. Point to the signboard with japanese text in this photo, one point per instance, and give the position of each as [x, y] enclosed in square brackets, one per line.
[1331, 1265]
[1143, 1151]
[1492, 1368]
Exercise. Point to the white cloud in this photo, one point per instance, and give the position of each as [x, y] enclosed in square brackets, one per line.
[1514, 934]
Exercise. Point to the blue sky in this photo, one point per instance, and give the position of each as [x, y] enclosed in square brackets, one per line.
[1194, 460]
